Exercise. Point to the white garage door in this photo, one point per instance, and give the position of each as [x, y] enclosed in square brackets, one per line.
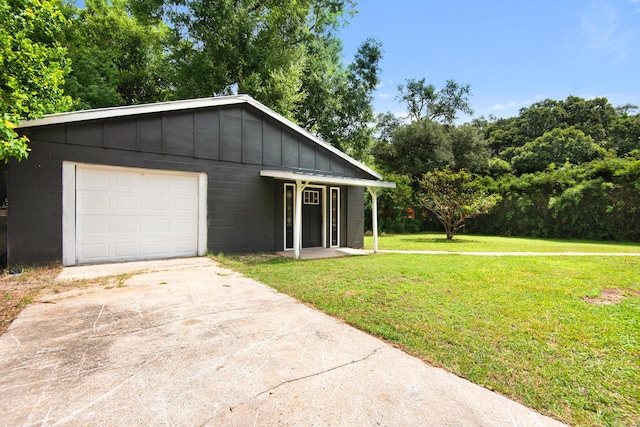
[126, 214]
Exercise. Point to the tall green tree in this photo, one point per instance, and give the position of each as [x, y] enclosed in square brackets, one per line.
[470, 149]
[415, 148]
[624, 136]
[33, 65]
[594, 117]
[347, 125]
[559, 146]
[423, 101]
[117, 59]
[284, 53]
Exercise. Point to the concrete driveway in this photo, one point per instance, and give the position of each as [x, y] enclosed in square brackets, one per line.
[190, 343]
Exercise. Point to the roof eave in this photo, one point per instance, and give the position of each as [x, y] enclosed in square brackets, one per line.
[162, 107]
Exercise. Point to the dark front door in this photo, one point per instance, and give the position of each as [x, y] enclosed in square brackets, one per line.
[311, 219]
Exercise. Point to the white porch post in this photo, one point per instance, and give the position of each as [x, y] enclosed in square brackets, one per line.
[374, 216]
[297, 222]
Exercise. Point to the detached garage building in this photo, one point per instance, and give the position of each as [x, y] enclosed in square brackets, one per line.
[176, 179]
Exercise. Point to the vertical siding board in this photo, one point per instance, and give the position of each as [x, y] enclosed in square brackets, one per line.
[178, 134]
[252, 139]
[231, 134]
[307, 155]
[150, 134]
[89, 133]
[163, 134]
[289, 150]
[323, 161]
[337, 165]
[196, 137]
[207, 131]
[120, 134]
[355, 217]
[56, 133]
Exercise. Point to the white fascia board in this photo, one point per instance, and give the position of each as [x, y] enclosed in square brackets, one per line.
[325, 179]
[162, 107]
[132, 110]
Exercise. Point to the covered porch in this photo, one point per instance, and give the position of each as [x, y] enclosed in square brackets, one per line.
[301, 181]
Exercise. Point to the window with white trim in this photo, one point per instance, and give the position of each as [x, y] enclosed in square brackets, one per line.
[311, 197]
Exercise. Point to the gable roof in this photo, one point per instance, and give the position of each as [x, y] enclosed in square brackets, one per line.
[162, 107]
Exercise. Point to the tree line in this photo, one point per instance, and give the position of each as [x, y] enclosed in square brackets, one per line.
[560, 168]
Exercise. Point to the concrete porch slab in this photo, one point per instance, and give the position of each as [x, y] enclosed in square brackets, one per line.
[318, 253]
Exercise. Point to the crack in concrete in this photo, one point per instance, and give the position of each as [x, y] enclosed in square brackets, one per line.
[318, 373]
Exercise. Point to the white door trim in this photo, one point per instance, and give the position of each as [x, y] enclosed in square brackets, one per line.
[331, 189]
[68, 213]
[284, 209]
[299, 188]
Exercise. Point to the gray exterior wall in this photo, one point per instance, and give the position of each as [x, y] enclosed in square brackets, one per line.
[231, 144]
[354, 218]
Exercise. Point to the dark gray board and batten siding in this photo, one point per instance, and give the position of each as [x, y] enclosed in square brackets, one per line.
[231, 144]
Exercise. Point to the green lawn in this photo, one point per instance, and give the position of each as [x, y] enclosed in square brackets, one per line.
[516, 325]
[473, 243]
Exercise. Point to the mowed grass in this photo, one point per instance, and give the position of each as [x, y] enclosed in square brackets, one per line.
[518, 325]
[474, 243]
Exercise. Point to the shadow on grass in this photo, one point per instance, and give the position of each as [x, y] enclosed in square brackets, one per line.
[438, 240]
[255, 259]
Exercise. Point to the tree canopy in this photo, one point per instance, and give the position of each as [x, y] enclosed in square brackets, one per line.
[423, 101]
[286, 54]
[454, 197]
[116, 58]
[33, 65]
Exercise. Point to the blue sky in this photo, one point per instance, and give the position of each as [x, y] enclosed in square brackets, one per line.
[512, 53]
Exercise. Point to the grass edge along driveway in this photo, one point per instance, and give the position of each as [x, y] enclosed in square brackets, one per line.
[531, 328]
[476, 243]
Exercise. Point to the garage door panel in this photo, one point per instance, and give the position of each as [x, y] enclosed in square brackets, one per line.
[95, 251]
[157, 248]
[156, 203]
[128, 226]
[181, 247]
[90, 201]
[125, 202]
[124, 181]
[126, 250]
[157, 182]
[93, 178]
[183, 183]
[124, 215]
[179, 227]
[159, 226]
[92, 226]
[183, 205]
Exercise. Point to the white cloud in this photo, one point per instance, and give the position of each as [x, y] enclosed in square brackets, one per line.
[601, 26]
[637, 10]
[385, 84]
[515, 104]
[385, 95]
[500, 107]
